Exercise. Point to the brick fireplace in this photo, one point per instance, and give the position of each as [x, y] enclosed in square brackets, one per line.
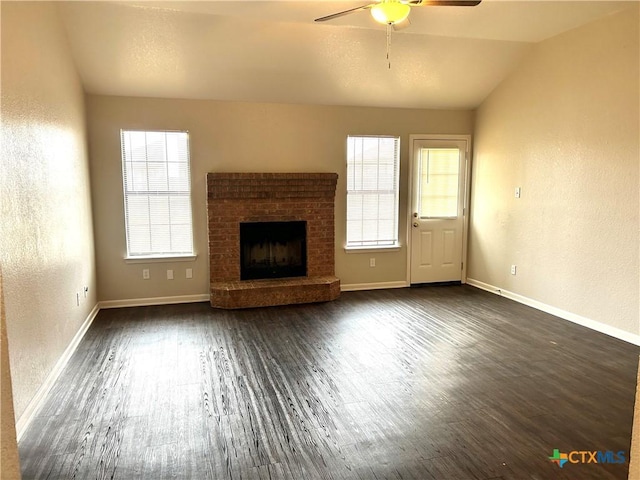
[235, 198]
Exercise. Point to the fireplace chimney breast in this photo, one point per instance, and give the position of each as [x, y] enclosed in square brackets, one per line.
[235, 199]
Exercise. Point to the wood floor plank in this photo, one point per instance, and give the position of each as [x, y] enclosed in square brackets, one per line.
[423, 383]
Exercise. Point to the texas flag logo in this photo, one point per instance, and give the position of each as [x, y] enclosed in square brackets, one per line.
[559, 458]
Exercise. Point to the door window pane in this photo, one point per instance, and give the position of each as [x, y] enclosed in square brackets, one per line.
[439, 182]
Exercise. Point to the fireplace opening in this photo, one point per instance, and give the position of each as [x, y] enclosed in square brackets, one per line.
[273, 250]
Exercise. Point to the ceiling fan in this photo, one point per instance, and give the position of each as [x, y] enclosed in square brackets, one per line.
[394, 12]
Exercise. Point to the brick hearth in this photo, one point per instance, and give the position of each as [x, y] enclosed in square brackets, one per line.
[271, 197]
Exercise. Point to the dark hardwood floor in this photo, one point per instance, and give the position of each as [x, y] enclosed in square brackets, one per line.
[423, 383]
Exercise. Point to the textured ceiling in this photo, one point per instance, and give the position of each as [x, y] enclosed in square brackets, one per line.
[449, 57]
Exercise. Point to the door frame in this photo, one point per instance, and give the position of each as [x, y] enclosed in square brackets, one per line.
[466, 197]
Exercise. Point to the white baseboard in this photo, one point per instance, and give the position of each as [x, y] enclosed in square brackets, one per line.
[572, 317]
[36, 402]
[372, 286]
[484, 286]
[145, 302]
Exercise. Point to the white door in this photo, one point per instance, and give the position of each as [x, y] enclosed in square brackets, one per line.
[437, 223]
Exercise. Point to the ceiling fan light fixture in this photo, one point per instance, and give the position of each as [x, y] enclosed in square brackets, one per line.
[389, 12]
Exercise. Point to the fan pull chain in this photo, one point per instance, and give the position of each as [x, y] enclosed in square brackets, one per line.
[389, 28]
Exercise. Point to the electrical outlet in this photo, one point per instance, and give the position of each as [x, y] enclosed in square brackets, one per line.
[372, 262]
[169, 274]
[189, 273]
[513, 269]
[145, 274]
[518, 191]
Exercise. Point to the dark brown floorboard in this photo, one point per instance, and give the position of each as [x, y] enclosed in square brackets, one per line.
[443, 383]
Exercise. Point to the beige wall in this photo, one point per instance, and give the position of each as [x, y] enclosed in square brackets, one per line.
[246, 137]
[564, 127]
[46, 245]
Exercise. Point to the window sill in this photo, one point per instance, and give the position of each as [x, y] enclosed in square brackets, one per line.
[391, 248]
[159, 259]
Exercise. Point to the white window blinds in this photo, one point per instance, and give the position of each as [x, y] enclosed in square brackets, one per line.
[373, 166]
[157, 193]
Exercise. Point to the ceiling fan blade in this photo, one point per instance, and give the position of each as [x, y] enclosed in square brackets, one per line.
[401, 25]
[443, 3]
[346, 12]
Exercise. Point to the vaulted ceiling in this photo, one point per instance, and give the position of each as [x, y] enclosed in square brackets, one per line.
[273, 51]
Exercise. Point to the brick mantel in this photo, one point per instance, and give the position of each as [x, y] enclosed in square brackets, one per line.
[233, 198]
[244, 186]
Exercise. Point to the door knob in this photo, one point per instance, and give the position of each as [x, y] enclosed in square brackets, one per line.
[415, 214]
[415, 224]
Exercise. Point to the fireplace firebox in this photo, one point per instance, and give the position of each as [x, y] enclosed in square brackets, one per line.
[273, 249]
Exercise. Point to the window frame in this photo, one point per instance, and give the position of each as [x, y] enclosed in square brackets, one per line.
[156, 256]
[373, 247]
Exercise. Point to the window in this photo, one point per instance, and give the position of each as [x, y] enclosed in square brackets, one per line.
[373, 166]
[157, 193]
[439, 179]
